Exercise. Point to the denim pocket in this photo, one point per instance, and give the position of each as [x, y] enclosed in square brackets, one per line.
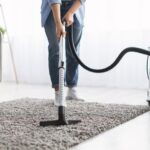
[77, 23]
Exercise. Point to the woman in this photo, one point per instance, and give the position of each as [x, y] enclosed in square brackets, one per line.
[52, 14]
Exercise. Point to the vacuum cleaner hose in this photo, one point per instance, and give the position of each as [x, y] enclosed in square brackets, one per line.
[129, 49]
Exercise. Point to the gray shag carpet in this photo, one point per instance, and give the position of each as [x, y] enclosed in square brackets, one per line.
[20, 130]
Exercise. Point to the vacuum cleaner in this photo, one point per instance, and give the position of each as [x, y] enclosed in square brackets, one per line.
[62, 103]
[148, 76]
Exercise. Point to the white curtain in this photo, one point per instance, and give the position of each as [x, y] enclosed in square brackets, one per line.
[110, 26]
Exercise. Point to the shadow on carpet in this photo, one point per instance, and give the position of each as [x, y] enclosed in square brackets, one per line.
[20, 130]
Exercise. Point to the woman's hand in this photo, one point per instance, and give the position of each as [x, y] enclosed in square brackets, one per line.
[60, 30]
[68, 18]
[69, 15]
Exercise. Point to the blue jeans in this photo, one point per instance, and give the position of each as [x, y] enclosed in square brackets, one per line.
[71, 74]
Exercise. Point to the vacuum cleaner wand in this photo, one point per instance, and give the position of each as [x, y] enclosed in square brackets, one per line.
[62, 102]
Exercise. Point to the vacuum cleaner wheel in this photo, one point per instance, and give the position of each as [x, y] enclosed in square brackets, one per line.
[148, 102]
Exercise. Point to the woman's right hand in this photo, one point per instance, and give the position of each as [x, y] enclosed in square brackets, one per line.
[60, 30]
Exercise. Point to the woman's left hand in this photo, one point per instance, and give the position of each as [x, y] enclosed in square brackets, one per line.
[68, 18]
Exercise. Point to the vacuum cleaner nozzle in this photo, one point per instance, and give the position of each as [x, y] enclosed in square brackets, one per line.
[61, 119]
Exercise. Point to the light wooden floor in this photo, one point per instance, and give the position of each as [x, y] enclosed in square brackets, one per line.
[133, 135]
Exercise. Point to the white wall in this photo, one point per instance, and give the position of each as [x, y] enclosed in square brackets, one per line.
[110, 26]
